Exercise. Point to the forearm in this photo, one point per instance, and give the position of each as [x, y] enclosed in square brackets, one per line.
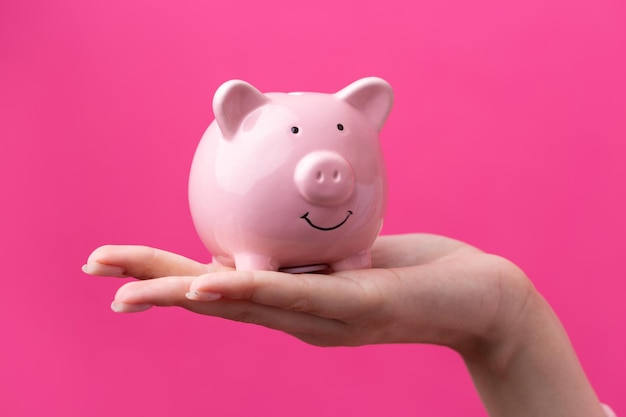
[531, 369]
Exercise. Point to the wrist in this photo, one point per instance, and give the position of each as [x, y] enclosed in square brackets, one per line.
[524, 324]
[526, 365]
[508, 313]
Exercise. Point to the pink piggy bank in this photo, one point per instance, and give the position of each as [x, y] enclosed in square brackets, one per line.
[292, 181]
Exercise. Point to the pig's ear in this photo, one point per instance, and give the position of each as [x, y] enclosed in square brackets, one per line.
[232, 102]
[372, 95]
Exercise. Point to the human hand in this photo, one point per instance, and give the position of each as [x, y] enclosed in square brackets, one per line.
[422, 288]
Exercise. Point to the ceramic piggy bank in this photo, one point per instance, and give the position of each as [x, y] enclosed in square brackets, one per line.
[292, 181]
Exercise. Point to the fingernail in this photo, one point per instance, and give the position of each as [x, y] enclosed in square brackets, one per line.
[96, 268]
[203, 296]
[129, 308]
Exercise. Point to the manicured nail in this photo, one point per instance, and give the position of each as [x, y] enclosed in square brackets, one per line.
[203, 296]
[96, 268]
[129, 308]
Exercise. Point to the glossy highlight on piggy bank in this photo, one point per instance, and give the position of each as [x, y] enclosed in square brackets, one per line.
[292, 181]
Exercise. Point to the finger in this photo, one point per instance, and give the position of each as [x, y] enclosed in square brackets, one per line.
[310, 328]
[170, 291]
[166, 291]
[141, 262]
[329, 296]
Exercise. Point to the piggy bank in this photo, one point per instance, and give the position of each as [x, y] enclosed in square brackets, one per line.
[292, 181]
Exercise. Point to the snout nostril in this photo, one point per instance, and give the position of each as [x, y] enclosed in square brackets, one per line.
[319, 176]
[336, 176]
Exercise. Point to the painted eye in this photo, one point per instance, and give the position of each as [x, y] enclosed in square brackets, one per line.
[295, 129]
[340, 126]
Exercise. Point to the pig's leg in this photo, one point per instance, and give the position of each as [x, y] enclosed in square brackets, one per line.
[224, 261]
[360, 260]
[254, 262]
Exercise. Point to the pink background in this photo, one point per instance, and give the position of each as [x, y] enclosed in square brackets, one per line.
[509, 131]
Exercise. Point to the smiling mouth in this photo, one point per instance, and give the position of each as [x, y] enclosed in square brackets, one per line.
[306, 217]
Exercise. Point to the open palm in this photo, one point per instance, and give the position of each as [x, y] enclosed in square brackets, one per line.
[422, 288]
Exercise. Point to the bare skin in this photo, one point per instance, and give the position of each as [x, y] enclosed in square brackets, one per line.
[421, 289]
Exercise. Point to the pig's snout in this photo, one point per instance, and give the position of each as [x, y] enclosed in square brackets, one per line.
[324, 178]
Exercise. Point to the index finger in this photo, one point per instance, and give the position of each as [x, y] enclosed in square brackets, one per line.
[329, 296]
[141, 262]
